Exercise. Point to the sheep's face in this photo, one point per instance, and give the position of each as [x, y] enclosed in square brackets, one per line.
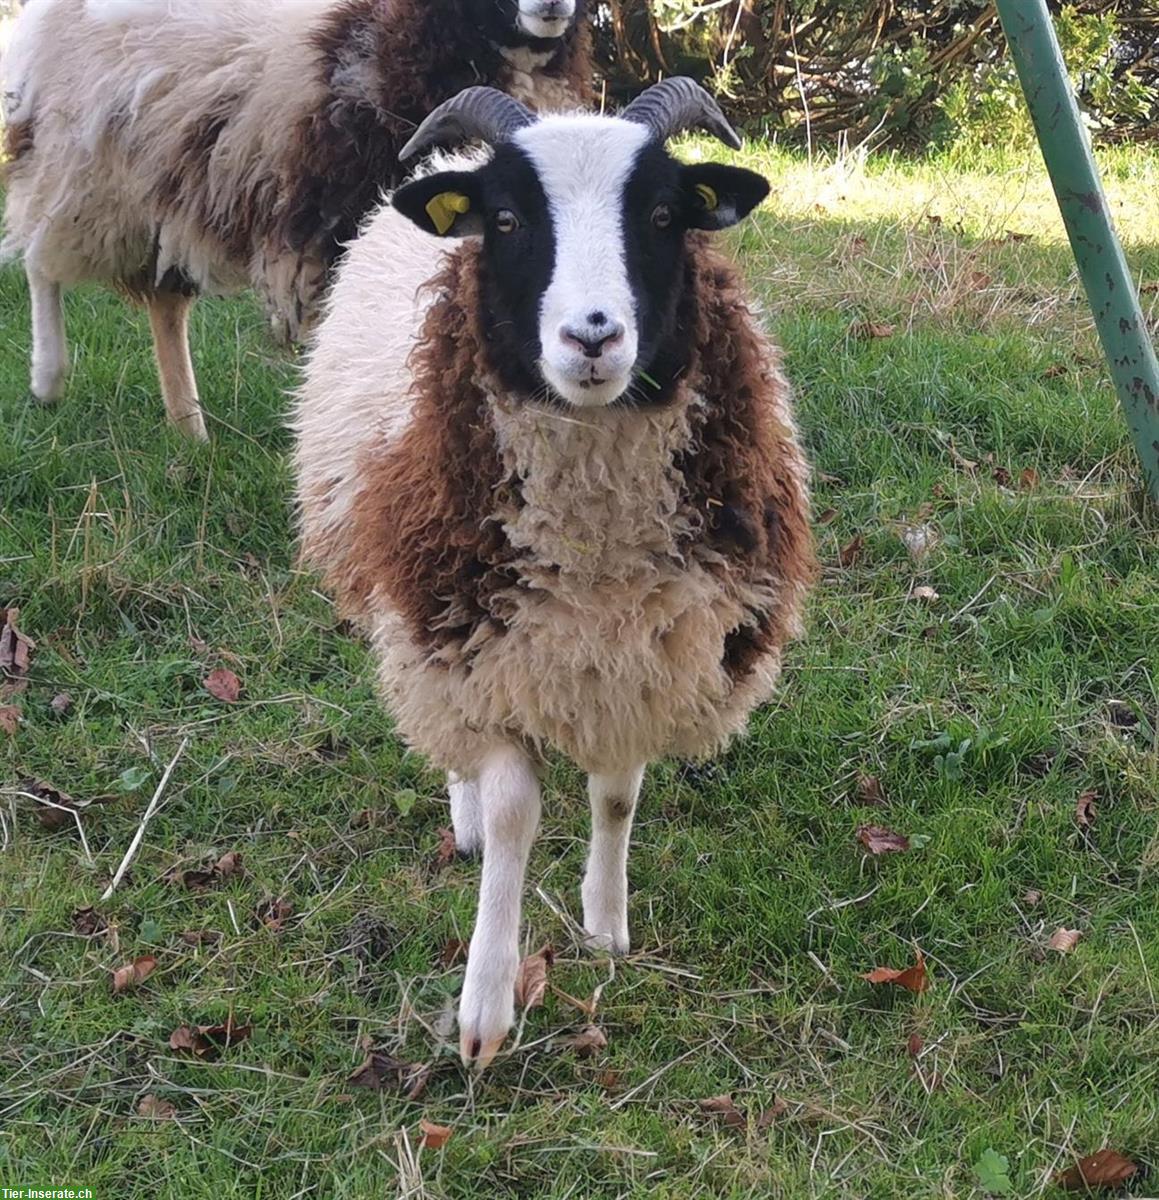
[584, 222]
[538, 24]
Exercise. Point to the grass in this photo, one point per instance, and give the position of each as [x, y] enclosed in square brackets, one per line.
[140, 563]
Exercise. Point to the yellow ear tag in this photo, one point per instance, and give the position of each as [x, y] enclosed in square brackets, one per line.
[707, 195]
[443, 208]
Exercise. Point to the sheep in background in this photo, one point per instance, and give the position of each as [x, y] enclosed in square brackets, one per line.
[563, 492]
[170, 147]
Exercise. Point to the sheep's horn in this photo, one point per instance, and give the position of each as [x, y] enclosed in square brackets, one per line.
[476, 112]
[674, 105]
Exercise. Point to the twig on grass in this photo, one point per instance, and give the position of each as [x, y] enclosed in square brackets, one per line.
[136, 842]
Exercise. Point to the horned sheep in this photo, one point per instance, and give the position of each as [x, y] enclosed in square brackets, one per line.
[170, 147]
[563, 493]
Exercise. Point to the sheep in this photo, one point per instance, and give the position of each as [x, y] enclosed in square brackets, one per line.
[563, 493]
[171, 147]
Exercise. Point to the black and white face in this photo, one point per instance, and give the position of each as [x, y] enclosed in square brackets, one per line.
[533, 23]
[583, 221]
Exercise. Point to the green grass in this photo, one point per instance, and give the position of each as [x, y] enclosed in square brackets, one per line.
[140, 562]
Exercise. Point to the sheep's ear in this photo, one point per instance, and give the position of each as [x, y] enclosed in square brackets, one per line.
[717, 196]
[445, 204]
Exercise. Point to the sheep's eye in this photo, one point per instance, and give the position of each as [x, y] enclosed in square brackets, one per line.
[662, 216]
[506, 221]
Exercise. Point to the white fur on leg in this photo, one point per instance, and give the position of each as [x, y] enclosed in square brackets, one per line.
[509, 802]
[605, 887]
[466, 817]
[49, 348]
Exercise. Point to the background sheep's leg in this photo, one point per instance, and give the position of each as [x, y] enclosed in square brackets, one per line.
[169, 320]
[605, 887]
[49, 348]
[509, 802]
[466, 816]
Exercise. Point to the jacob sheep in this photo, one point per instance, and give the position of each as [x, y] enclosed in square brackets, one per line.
[563, 493]
[170, 147]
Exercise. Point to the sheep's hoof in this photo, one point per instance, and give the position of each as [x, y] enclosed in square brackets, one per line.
[47, 389]
[486, 1009]
[608, 943]
[477, 1053]
[192, 426]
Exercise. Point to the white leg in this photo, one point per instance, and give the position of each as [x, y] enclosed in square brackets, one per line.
[509, 801]
[169, 320]
[49, 348]
[605, 886]
[466, 817]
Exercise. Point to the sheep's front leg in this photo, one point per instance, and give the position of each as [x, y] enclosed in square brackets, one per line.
[466, 814]
[605, 888]
[49, 348]
[509, 806]
[169, 320]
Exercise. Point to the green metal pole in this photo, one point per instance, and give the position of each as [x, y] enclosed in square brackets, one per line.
[1108, 283]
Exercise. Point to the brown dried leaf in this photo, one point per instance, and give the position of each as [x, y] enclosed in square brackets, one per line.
[227, 1034]
[531, 980]
[9, 719]
[50, 817]
[609, 1080]
[435, 1137]
[1001, 476]
[1084, 808]
[155, 1109]
[723, 1107]
[1104, 1169]
[445, 854]
[1055, 370]
[850, 553]
[186, 1038]
[60, 703]
[1031, 897]
[454, 952]
[274, 913]
[201, 937]
[379, 1070]
[869, 790]
[872, 329]
[1028, 479]
[1064, 940]
[827, 517]
[959, 459]
[879, 840]
[914, 1045]
[222, 684]
[980, 281]
[777, 1109]
[15, 653]
[192, 880]
[588, 1042]
[913, 979]
[88, 922]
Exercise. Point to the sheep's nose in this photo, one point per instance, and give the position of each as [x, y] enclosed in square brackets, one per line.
[594, 335]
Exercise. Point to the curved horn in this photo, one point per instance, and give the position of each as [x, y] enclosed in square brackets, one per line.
[476, 112]
[674, 105]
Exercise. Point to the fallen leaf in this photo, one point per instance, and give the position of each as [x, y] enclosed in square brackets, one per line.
[1103, 1169]
[926, 594]
[913, 979]
[879, 840]
[88, 922]
[919, 540]
[1064, 940]
[959, 459]
[1031, 897]
[15, 653]
[869, 790]
[204, 1041]
[9, 718]
[379, 1070]
[609, 1080]
[1028, 479]
[274, 913]
[851, 551]
[61, 703]
[192, 879]
[723, 1107]
[589, 1041]
[454, 952]
[1084, 808]
[200, 937]
[1001, 476]
[1055, 370]
[226, 1034]
[228, 864]
[434, 1136]
[222, 684]
[768, 1115]
[872, 329]
[531, 979]
[156, 1109]
[365, 818]
[914, 1045]
[993, 1172]
[980, 281]
[445, 854]
[827, 517]
[49, 816]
